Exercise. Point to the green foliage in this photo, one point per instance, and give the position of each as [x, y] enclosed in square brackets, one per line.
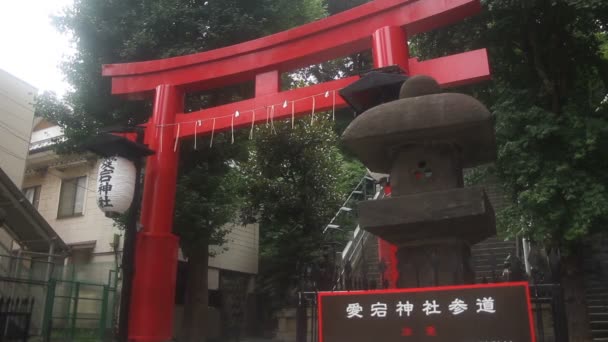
[210, 194]
[298, 179]
[336, 6]
[548, 96]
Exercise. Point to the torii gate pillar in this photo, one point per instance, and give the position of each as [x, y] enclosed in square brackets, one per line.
[153, 295]
[389, 47]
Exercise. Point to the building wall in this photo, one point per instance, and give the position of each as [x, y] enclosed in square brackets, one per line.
[92, 225]
[240, 252]
[16, 119]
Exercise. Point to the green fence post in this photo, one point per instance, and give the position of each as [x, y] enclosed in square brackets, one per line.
[48, 310]
[104, 312]
[75, 315]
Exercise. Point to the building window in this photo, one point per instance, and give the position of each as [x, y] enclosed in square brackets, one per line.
[71, 198]
[33, 195]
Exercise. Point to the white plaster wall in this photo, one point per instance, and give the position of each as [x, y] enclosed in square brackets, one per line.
[242, 245]
[16, 119]
[92, 225]
[242, 250]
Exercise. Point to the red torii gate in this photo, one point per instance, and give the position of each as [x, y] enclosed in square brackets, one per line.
[382, 25]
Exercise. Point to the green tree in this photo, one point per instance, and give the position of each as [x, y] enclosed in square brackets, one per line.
[548, 94]
[298, 179]
[107, 31]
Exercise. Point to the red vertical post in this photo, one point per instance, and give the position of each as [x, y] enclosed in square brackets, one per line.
[267, 83]
[389, 47]
[152, 304]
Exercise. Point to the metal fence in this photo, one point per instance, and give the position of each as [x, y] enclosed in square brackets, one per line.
[73, 302]
[79, 311]
[549, 313]
[15, 318]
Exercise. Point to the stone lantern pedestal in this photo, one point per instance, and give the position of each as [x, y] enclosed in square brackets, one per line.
[424, 140]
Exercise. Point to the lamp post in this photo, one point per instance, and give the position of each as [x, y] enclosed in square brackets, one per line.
[109, 145]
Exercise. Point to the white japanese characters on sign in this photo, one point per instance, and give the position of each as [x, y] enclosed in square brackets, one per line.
[379, 310]
[458, 306]
[354, 310]
[485, 305]
[406, 309]
[430, 308]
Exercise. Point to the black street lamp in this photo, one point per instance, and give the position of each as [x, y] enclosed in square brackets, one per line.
[108, 145]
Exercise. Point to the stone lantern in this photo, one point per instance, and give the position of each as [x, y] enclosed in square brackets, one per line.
[424, 140]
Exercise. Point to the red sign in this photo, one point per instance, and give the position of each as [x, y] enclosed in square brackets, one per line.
[473, 313]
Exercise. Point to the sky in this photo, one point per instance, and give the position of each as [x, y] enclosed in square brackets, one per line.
[30, 46]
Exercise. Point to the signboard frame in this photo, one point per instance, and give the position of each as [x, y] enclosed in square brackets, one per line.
[525, 285]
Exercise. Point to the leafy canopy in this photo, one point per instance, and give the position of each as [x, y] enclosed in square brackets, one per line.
[548, 95]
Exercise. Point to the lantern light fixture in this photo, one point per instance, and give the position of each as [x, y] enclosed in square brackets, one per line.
[375, 87]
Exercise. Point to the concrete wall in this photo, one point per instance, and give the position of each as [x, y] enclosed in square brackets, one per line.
[16, 119]
[242, 249]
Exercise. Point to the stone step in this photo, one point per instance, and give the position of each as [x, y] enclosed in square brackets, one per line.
[489, 258]
[593, 296]
[487, 266]
[602, 333]
[494, 245]
[594, 308]
[497, 248]
[597, 293]
[493, 249]
[595, 284]
[598, 325]
[494, 240]
[480, 274]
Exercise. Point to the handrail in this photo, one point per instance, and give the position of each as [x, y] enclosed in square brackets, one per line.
[346, 203]
[358, 241]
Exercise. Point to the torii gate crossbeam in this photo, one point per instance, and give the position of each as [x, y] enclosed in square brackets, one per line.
[382, 25]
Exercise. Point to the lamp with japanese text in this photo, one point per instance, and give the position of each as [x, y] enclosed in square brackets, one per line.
[115, 185]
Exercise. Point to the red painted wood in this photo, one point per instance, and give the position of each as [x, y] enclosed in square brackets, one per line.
[156, 252]
[153, 296]
[326, 39]
[267, 83]
[469, 65]
[455, 70]
[390, 48]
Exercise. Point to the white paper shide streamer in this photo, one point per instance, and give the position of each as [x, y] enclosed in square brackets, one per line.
[115, 185]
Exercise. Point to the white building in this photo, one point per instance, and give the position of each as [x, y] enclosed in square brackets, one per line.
[16, 119]
[29, 247]
[20, 225]
[64, 190]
